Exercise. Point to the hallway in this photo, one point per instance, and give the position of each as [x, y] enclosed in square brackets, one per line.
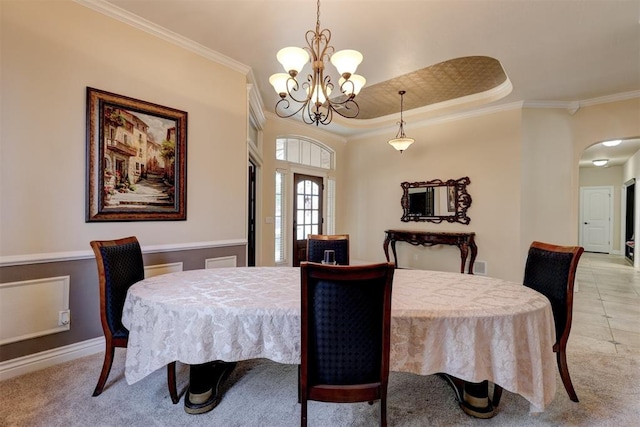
[606, 309]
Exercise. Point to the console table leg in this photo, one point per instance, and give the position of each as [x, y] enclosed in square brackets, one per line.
[464, 252]
[474, 253]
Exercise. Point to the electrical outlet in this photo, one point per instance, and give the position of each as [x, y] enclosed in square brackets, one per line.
[64, 317]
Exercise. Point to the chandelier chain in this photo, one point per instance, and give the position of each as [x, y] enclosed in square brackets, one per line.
[400, 133]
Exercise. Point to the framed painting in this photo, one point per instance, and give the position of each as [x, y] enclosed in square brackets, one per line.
[136, 160]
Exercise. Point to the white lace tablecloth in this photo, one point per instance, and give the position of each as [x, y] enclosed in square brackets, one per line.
[472, 327]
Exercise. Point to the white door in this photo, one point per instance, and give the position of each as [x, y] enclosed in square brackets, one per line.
[595, 212]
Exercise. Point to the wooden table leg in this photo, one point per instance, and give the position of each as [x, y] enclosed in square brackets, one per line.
[473, 398]
[205, 380]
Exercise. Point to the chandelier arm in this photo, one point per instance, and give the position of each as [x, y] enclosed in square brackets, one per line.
[310, 38]
[284, 104]
[351, 92]
[324, 38]
[293, 87]
[350, 106]
[315, 115]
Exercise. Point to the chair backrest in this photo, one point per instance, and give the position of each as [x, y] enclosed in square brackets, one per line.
[318, 243]
[120, 265]
[551, 270]
[346, 312]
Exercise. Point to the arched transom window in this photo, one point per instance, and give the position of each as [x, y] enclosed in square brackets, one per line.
[304, 152]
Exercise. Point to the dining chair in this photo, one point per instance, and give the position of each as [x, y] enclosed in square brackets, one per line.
[551, 270]
[120, 265]
[318, 243]
[345, 331]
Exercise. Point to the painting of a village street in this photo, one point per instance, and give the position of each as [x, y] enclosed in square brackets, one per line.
[137, 157]
[139, 169]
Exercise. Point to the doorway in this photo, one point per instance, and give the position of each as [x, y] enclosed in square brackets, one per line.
[596, 210]
[629, 220]
[251, 216]
[307, 213]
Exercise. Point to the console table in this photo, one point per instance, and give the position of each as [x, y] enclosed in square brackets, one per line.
[464, 241]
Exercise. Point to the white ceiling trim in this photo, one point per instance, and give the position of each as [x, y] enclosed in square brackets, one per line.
[444, 119]
[506, 107]
[570, 105]
[610, 98]
[129, 18]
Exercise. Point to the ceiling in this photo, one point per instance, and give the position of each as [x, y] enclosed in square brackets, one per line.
[552, 52]
[616, 156]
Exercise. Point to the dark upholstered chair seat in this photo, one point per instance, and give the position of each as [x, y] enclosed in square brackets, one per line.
[121, 333]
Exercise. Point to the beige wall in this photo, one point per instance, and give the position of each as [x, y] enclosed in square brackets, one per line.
[484, 148]
[523, 166]
[51, 51]
[547, 178]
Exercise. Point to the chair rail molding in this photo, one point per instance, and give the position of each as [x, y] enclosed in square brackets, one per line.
[11, 260]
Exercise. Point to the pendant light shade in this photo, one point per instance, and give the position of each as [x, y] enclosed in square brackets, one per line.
[401, 144]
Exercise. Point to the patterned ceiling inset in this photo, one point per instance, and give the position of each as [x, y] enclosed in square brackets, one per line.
[438, 83]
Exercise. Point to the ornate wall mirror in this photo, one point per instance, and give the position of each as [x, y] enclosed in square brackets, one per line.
[436, 201]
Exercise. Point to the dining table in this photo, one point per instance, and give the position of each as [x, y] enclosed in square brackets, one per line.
[467, 327]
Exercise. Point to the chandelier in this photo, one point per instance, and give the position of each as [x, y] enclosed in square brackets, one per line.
[401, 142]
[311, 97]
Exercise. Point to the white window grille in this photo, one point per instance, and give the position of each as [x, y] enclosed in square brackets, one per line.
[304, 152]
[330, 220]
[279, 220]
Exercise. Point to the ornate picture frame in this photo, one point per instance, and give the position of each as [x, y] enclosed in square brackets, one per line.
[136, 160]
[436, 201]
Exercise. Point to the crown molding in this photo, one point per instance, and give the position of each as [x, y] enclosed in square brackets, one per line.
[140, 23]
[575, 105]
[447, 118]
[610, 98]
[571, 106]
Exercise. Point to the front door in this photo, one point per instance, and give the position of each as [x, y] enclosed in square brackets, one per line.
[596, 219]
[307, 213]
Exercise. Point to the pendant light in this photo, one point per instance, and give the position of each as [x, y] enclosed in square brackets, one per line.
[401, 142]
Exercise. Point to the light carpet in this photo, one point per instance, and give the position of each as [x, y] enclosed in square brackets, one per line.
[264, 393]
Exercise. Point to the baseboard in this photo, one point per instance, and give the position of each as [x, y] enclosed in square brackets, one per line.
[35, 362]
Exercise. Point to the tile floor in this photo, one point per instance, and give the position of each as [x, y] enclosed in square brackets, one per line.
[606, 305]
